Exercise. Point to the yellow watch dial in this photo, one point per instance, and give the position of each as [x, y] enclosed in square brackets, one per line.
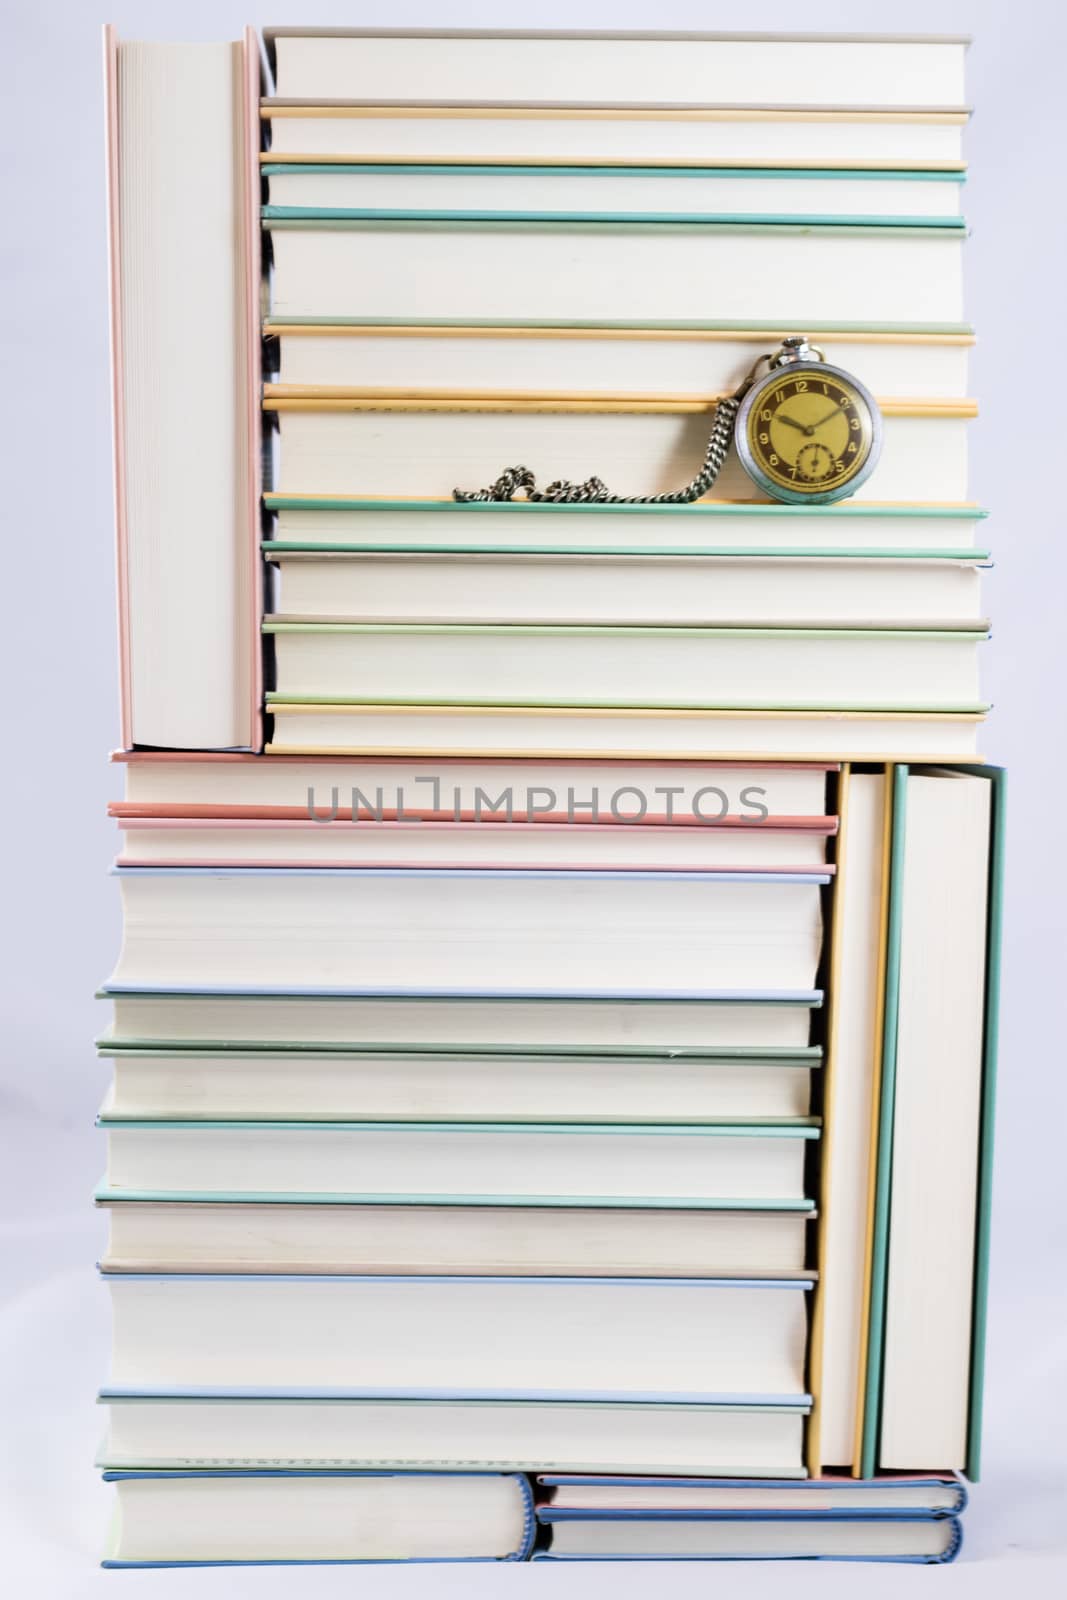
[809, 432]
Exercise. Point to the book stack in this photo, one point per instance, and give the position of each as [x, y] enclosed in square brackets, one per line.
[558, 988]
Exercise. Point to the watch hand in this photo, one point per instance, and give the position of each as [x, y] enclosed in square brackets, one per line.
[808, 428]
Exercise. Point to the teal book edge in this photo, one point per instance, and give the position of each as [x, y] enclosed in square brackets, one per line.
[884, 1157]
[275, 501]
[757, 1055]
[784, 1128]
[371, 217]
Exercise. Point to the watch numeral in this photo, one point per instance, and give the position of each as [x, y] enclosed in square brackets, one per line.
[852, 447]
[764, 438]
[766, 414]
[773, 459]
[854, 422]
[839, 466]
[802, 386]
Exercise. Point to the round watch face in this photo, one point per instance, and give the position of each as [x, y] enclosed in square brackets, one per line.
[809, 432]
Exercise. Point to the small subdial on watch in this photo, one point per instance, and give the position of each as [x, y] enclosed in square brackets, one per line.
[814, 461]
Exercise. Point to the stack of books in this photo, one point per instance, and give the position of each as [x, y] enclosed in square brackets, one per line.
[530, 1100]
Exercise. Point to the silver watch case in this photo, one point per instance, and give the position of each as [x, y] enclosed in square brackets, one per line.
[799, 496]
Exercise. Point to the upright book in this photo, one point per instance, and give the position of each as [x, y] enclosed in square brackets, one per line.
[183, 184]
[925, 1347]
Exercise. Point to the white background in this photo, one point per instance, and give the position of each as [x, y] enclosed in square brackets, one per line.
[60, 923]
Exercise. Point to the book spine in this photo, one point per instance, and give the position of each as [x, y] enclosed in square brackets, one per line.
[816, 1342]
[883, 1164]
[525, 1545]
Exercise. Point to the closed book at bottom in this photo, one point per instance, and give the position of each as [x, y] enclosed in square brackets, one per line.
[281, 1518]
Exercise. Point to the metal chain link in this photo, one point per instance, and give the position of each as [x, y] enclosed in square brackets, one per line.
[594, 492]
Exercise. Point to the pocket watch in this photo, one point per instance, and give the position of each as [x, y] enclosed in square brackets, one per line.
[807, 433]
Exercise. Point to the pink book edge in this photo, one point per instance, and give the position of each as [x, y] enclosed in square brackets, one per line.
[118, 430]
[194, 819]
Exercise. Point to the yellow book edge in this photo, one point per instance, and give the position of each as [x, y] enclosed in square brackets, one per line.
[813, 1451]
[780, 714]
[876, 1097]
[312, 397]
[378, 330]
[550, 753]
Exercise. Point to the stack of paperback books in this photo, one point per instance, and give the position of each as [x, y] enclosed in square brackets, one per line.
[553, 1040]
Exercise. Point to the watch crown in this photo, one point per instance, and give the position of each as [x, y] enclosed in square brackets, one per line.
[796, 348]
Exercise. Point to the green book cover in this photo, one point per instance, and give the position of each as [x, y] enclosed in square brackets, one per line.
[965, 512]
[884, 1154]
[332, 218]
